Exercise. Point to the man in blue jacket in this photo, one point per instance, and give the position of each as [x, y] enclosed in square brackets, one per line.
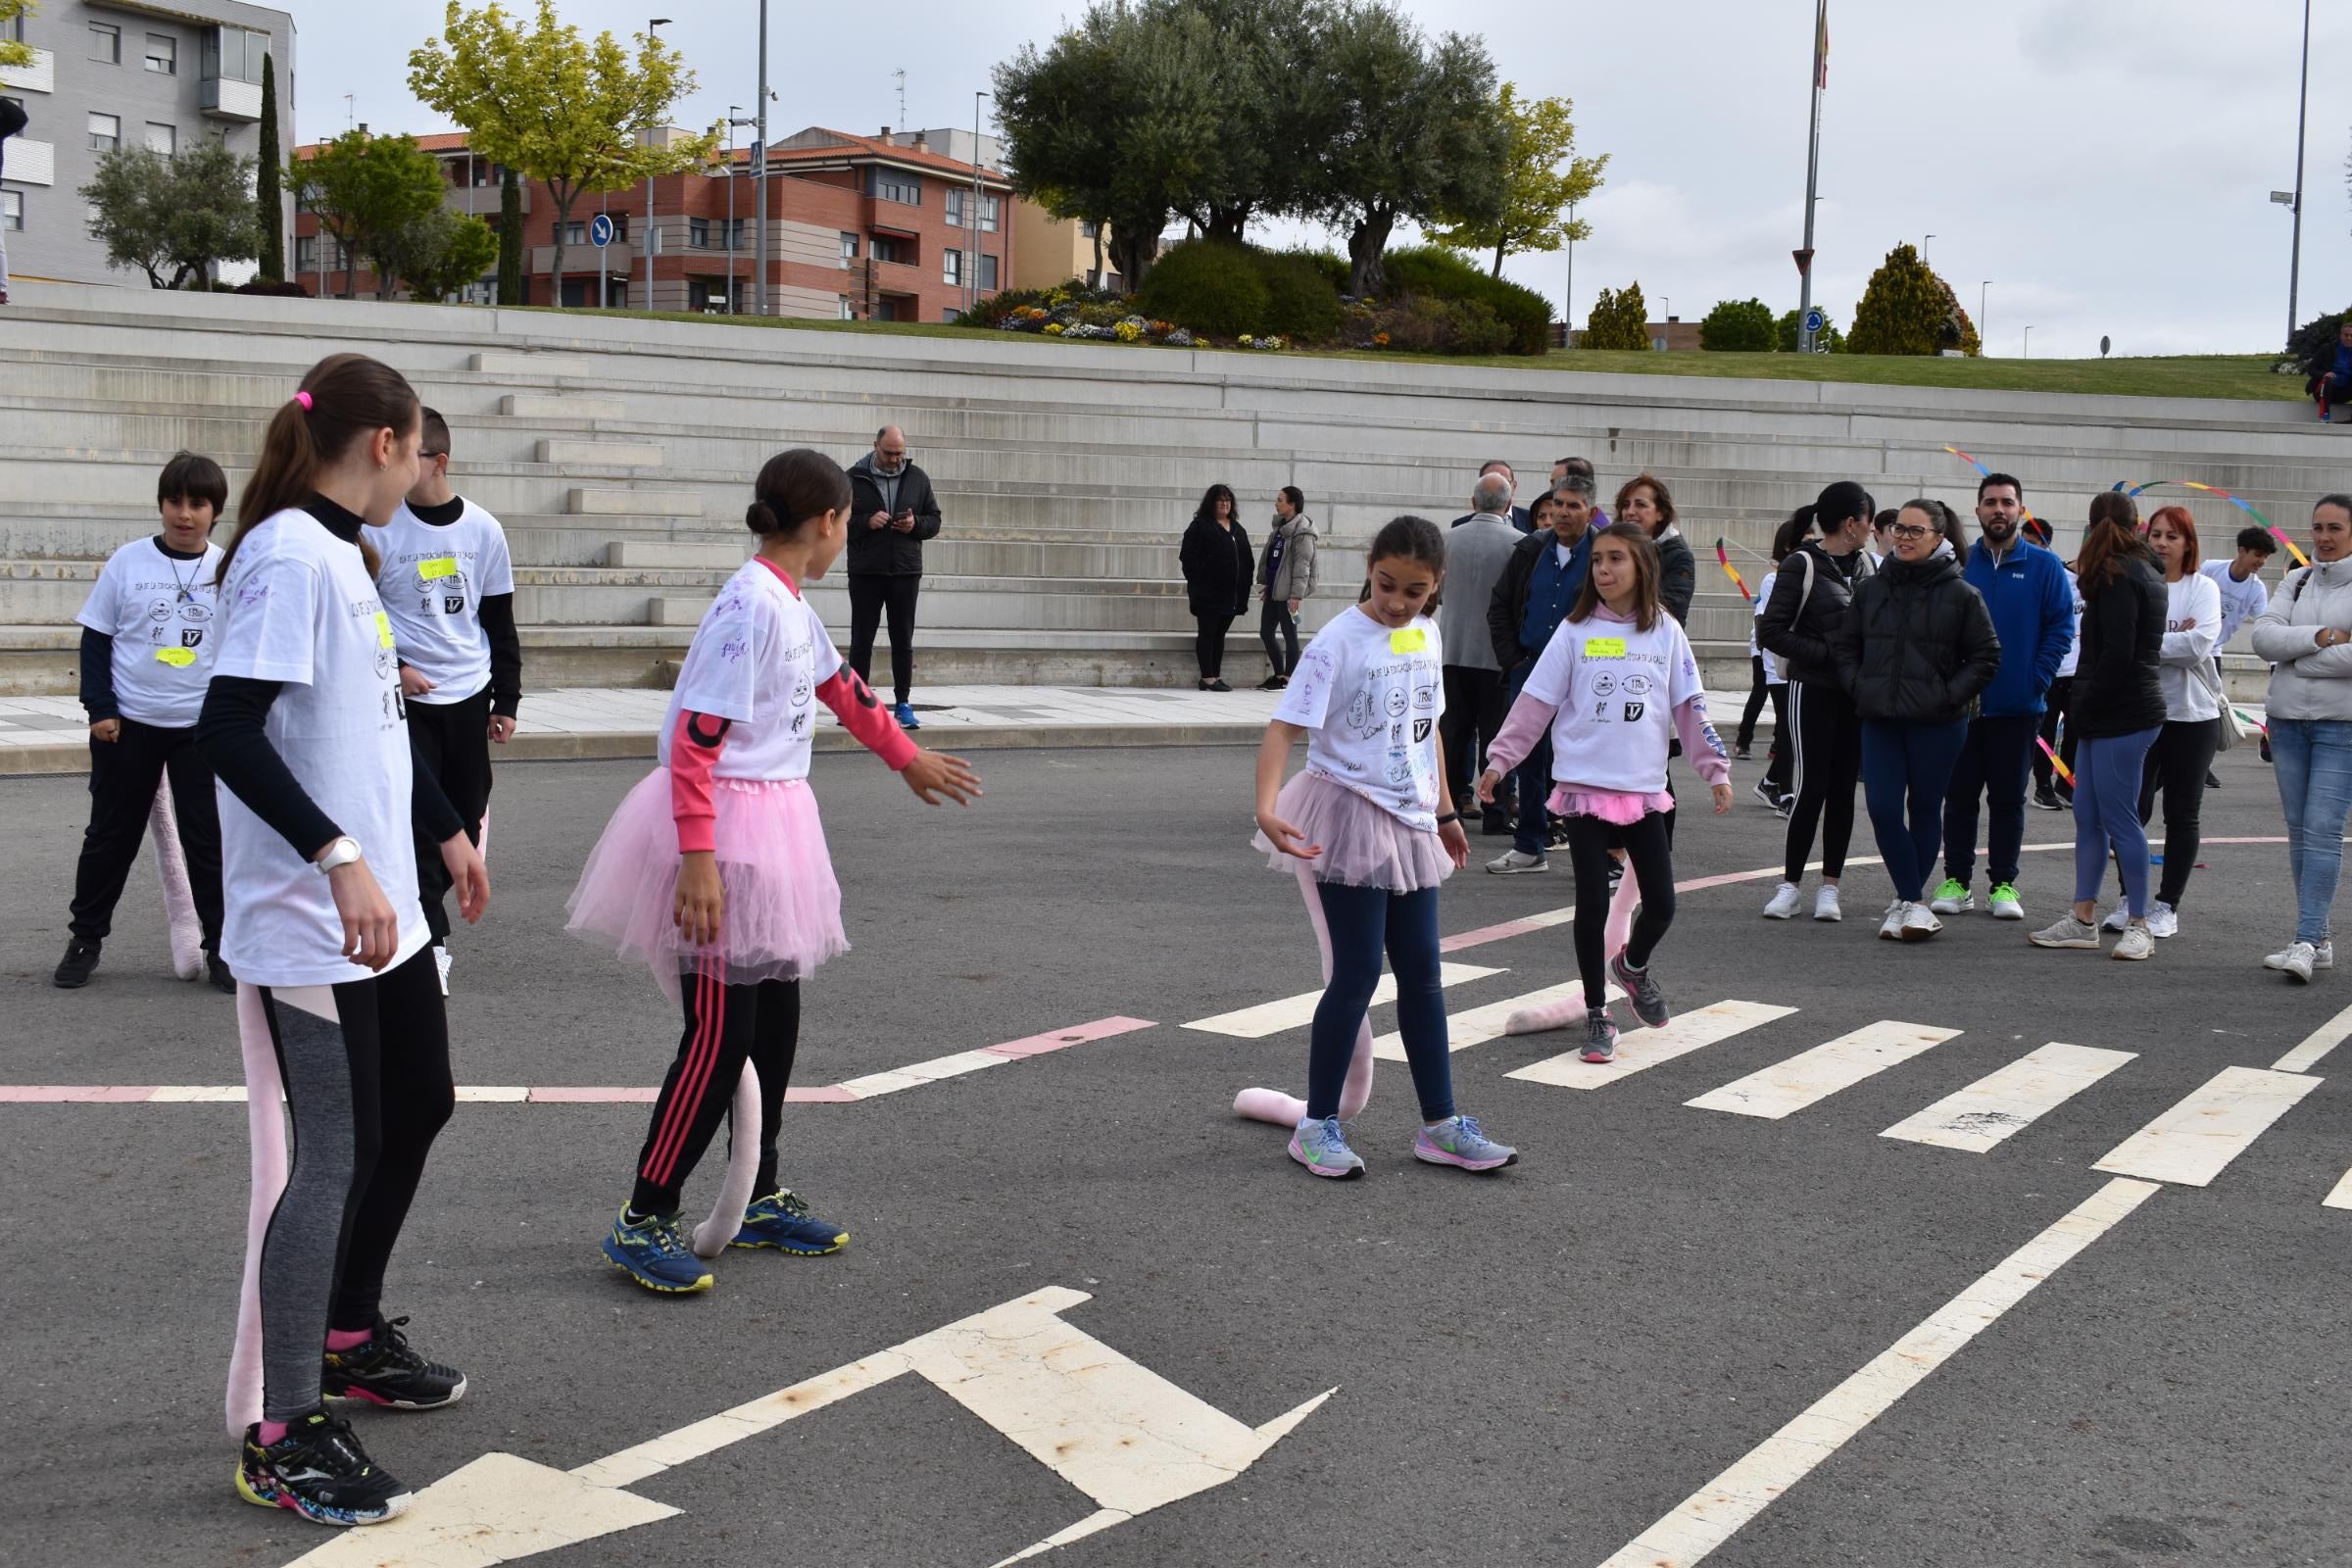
[2032, 610]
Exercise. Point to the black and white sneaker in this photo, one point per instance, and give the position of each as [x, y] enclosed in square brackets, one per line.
[319, 1471]
[385, 1371]
[2046, 798]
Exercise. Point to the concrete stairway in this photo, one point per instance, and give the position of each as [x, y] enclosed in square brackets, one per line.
[618, 454]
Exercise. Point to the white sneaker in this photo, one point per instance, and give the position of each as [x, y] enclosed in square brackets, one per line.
[2323, 954]
[2135, 943]
[1510, 862]
[2296, 958]
[1920, 923]
[2163, 920]
[441, 962]
[1890, 929]
[1784, 901]
[2117, 920]
[1824, 905]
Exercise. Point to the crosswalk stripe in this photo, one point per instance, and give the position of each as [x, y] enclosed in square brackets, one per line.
[2321, 1041]
[1789, 1087]
[2191, 1143]
[2005, 1102]
[1639, 1048]
[1292, 1013]
[1476, 1025]
[2341, 1196]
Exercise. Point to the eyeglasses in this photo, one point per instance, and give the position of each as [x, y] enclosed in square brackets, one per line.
[427, 456]
[1911, 531]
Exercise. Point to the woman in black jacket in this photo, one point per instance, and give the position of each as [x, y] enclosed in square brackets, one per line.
[2115, 710]
[1915, 650]
[1217, 575]
[1645, 502]
[1809, 598]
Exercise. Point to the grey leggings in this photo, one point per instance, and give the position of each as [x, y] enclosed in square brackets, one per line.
[366, 1095]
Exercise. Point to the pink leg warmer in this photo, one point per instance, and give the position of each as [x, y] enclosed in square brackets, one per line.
[1620, 929]
[266, 1126]
[712, 1236]
[179, 904]
[1288, 1110]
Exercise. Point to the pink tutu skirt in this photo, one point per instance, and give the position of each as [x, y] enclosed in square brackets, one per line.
[1617, 808]
[783, 910]
[1363, 846]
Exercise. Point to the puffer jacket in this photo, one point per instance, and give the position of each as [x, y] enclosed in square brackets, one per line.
[1677, 573]
[1295, 577]
[2308, 681]
[1801, 642]
[1917, 644]
[2118, 687]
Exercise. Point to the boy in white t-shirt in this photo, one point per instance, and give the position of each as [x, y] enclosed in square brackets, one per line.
[447, 584]
[146, 655]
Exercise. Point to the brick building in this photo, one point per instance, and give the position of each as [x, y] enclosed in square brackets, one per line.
[877, 227]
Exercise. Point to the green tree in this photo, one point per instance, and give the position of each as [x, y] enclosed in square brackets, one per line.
[179, 214]
[269, 197]
[11, 53]
[1830, 340]
[565, 111]
[1908, 309]
[363, 187]
[1739, 327]
[1412, 134]
[1539, 191]
[511, 242]
[436, 254]
[1619, 320]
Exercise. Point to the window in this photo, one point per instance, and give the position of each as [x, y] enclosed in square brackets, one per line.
[889, 250]
[162, 54]
[893, 186]
[232, 54]
[106, 43]
[953, 203]
[950, 314]
[849, 249]
[847, 314]
[707, 296]
[105, 133]
[953, 271]
[575, 233]
[621, 228]
[1088, 227]
[735, 236]
[988, 274]
[12, 211]
[960, 210]
[306, 253]
[162, 138]
[697, 233]
[12, 29]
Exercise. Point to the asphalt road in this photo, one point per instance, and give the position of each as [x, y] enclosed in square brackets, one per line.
[1532, 1368]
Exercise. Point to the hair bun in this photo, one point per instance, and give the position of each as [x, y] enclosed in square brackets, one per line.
[760, 518]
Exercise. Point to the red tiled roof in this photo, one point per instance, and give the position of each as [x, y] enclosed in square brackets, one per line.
[871, 147]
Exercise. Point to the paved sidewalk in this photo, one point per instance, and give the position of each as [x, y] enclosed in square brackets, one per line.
[50, 735]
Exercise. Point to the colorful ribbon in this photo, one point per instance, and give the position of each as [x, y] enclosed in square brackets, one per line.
[1724, 557]
[2039, 526]
[2065, 772]
[2277, 533]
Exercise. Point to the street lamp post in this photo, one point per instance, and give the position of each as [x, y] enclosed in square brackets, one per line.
[1923, 248]
[759, 176]
[734, 119]
[971, 255]
[2295, 266]
[1568, 303]
[1984, 314]
[2029, 343]
[646, 242]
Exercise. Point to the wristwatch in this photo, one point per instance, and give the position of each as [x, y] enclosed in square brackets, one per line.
[342, 851]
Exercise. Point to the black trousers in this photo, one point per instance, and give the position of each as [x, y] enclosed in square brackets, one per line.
[1757, 692]
[2045, 777]
[1826, 736]
[2178, 764]
[454, 740]
[725, 1025]
[1473, 718]
[1208, 647]
[123, 776]
[871, 598]
[1648, 846]
[1776, 771]
[1278, 630]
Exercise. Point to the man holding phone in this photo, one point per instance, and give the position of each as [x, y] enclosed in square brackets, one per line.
[892, 512]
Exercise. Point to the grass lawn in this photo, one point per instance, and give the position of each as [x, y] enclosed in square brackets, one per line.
[2190, 375]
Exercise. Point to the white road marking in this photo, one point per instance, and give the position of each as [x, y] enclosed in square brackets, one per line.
[1294, 1013]
[1114, 1429]
[1789, 1087]
[917, 1074]
[2008, 1102]
[2191, 1143]
[2341, 1196]
[2321, 1041]
[1476, 1025]
[1711, 1515]
[1641, 1049]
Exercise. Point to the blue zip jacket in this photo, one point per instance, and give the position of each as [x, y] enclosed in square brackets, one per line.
[2033, 613]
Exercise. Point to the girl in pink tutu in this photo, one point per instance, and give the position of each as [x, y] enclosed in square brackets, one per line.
[713, 871]
[1370, 831]
[1615, 685]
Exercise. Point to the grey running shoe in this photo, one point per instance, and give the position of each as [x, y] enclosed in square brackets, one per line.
[1648, 1001]
[2066, 932]
[1600, 1036]
[2297, 959]
[1460, 1141]
[1510, 862]
[2135, 943]
[1322, 1147]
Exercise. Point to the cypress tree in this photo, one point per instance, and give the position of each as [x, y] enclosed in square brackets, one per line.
[269, 198]
[510, 239]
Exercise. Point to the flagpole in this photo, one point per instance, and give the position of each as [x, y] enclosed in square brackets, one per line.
[1804, 258]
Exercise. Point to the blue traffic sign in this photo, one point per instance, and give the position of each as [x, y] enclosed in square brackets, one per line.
[600, 231]
[1815, 320]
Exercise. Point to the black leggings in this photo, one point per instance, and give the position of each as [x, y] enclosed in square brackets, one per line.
[1209, 646]
[2061, 691]
[1776, 771]
[2176, 765]
[1827, 760]
[1647, 843]
[724, 1027]
[1278, 630]
[123, 775]
[453, 739]
[1757, 692]
[367, 1091]
[870, 596]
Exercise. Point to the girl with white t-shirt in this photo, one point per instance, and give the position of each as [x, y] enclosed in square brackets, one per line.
[1615, 685]
[714, 872]
[1370, 830]
[340, 1005]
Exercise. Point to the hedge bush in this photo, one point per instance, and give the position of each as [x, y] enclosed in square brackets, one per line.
[1302, 301]
[1209, 285]
[1427, 269]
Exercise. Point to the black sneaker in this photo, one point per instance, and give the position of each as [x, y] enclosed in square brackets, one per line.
[385, 1371]
[1218, 686]
[73, 969]
[319, 1471]
[222, 981]
[2211, 782]
[2047, 799]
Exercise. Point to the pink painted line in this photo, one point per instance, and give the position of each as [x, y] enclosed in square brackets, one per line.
[1491, 933]
[1063, 1039]
[74, 1093]
[816, 1095]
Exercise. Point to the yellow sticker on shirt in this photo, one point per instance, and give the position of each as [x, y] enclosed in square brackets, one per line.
[1411, 640]
[383, 629]
[1604, 648]
[429, 570]
[176, 658]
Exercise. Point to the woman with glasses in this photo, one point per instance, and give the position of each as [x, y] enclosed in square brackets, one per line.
[1218, 573]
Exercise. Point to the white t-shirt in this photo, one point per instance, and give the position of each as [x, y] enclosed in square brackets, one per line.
[2187, 654]
[756, 660]
[160, 611]
[2074, 647]
[1616, 687]
[433, 580]
[297, 607]
[1755, 649]
[2241, 602]
[1370, 698]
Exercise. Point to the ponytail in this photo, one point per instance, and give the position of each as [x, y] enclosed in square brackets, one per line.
[344, 397]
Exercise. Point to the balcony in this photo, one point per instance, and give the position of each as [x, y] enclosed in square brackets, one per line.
[579, 260]
[227, 99]
[39, 76]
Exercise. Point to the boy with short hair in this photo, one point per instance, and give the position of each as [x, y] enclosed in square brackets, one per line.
[146, 659]
[448, 585]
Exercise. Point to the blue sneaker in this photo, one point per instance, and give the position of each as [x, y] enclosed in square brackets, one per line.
[1322, 1147]
[781, 1220]
[903, 713]
[1460, 1141]
[651, 1252]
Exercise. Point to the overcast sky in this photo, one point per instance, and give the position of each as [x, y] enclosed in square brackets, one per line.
[2107, 164]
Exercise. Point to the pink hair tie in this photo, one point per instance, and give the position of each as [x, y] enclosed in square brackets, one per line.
[303, 398]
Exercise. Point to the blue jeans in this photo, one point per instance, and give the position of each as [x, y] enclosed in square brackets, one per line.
[2312, 758]
[2107, 771]
[1363, 921]
[1909, 766]
[1531, 835]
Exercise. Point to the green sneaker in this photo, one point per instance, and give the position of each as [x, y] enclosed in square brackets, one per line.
[2004, 902]
[1951, 898]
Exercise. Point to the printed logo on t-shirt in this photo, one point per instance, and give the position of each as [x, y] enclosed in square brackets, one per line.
[1420, 730]
[1633, 711]
[1605, 684]
[1363, 716]
[1636, 685]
